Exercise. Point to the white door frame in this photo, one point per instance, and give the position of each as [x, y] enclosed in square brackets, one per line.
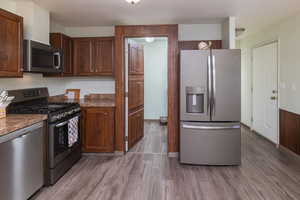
[265, 43]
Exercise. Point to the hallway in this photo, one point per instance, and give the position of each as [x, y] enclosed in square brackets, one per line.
[147, 173]
[154, 141]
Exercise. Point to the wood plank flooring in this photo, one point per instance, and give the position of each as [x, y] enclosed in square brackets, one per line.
[154, 141]
[147, 173]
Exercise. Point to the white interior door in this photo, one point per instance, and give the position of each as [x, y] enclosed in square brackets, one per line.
[265, 89]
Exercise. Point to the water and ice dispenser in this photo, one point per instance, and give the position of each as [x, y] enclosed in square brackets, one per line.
[195, 99]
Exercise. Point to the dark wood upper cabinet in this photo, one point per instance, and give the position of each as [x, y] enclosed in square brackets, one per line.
[83, 56]
[94, 56]
[11, 44]
[63, 42]
[136, 59]
[103, 56]
[98, 129]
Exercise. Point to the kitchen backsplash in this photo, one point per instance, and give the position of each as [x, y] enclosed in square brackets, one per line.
[58, 86]
[88, 85]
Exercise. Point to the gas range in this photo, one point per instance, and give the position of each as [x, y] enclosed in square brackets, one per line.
[34, 101]
[59, 111]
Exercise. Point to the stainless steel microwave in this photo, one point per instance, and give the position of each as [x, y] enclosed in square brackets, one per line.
[41, 58]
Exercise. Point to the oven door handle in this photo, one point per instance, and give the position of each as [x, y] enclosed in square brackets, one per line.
[61, 124]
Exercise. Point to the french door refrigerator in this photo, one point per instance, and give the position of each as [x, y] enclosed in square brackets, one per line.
[210, 107]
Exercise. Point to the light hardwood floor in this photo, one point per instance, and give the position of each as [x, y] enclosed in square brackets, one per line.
[147, 173]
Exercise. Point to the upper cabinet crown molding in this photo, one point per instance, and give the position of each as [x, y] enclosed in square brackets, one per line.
[11, 48]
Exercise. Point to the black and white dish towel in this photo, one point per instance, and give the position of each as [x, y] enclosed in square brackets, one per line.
[73, 131]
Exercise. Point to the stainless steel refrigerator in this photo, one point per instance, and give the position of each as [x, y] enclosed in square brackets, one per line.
[210, 107]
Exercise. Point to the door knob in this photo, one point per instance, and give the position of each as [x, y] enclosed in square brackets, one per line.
[273, 98]
[274, 91]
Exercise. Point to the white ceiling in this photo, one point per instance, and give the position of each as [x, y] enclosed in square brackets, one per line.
[251, 14]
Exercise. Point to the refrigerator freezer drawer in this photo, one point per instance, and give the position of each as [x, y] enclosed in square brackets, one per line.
[210, 143]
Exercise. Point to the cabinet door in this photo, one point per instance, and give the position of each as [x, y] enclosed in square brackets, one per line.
[11, 44]
[103, 56]
[135, 127]
[136, 59]
[67, 49]
[135, 92]
[83, 56]
[290, 131]
[98, 130]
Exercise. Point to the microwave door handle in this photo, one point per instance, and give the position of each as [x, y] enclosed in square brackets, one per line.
[58, 58]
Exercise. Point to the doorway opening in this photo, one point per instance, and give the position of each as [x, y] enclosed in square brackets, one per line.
[146, 99]
[265, 106]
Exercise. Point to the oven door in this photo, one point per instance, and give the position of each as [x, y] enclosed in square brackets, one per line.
[59, 141]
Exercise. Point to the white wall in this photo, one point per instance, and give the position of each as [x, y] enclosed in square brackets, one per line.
[199, 32]
[36, 21]
[55, 27]
[287, 33]
[228, 33]
[8, 5]
[56, 86]
[88, 85]
[155, 77]
[90, 31]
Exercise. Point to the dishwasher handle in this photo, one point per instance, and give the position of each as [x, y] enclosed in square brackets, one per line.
[186, 126]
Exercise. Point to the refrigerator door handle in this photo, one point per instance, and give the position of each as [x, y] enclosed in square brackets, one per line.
[208, 84]
[214, 85]
[186, 126]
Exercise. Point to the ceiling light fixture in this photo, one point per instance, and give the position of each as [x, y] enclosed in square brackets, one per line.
[149, 39]
[133, 1]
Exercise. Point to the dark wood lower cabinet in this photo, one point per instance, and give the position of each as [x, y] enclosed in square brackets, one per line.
[135, 127]
[290, 131]
[98, 126]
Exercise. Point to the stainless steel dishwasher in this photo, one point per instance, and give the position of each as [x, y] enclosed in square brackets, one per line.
[22, 162]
